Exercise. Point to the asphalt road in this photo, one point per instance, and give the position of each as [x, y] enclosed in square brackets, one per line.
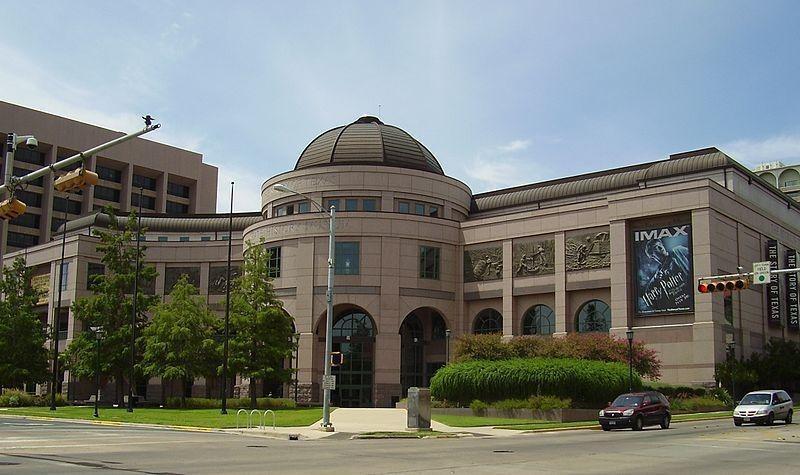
[56, 447]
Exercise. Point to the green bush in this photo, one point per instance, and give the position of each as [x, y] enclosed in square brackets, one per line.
[677, 392]
[233, 403]
[697, 404]
[520, 378]
[478, 407]
[16, 398]
[542, 403]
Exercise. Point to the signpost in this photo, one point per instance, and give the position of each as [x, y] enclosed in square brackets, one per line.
[761, 272]
[329, 382]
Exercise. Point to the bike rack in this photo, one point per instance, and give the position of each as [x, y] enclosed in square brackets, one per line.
[237, 417]
[264, 419]
[250, 421]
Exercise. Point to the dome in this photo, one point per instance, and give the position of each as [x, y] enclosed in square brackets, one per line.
[368, 141]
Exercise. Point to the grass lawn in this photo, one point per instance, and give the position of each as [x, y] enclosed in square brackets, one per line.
[210, 418]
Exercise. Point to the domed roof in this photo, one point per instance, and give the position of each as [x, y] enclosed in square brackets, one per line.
[368, 141]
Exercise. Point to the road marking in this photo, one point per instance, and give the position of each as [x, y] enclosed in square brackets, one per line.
[160, 442]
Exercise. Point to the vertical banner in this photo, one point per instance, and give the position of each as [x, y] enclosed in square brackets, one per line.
[792, 309]
[663, 267]
[773, 288]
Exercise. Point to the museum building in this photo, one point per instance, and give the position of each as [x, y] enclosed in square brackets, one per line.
[420, 260]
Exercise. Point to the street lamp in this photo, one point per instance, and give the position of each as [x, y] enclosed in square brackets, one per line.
[98, 334]
[447, 346]
[296, 364]
[629, 334]
[135, 298]
[57, 317]
[327, 379]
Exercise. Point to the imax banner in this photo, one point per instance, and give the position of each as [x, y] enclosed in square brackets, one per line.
[663, 266]
[792, 309]
[773, 288]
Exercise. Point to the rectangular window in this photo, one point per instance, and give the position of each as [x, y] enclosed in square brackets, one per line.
[205, 238]
[370, 204]
[433, 211]
[109, 174]
[224, 237]
[280, 211]
[403, 207]
[351, 204]
[105, 193]
[19, 173]
[60, 204]
[148, 202]
[184, 239]
[727, 302]
[274, 261]
[29, 156]
[176, 189]
[55, 223]
[94, 270]
[428, 262]
[65, 272]
[346, 258]
[177, 208]
[289, 209]
[334, 203]
[29, 198]
[146, 182]
[163, 239]
[21, 240]
[28, 220]
[304, 207]
[419, 208]
[63, 324]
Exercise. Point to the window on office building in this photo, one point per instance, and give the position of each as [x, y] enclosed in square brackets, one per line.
[147, 201]
[184, 239]
[29, 156]
[65, 273]
[303, 207]
[351, 204]
[105, 193]
[21, 240]
[146, 182]
[109, 174]
[428, 262]
[29, 198]
[21, 172]
[274, 261]
[28, 220]
[176, 189]
[60, 204]
[163, 239]
[346, 258]
[370, 204]
[94, 270]
[177, 208]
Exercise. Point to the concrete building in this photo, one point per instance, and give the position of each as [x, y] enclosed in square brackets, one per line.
[418, 254]
[785, 178]
[174, 181]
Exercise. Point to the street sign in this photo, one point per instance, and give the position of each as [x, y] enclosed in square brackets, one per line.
[761, 272]
[329, 382]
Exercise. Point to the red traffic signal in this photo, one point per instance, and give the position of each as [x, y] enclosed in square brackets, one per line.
[721, 285]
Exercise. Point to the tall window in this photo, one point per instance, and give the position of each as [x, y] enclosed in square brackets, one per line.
[428, 262]
[146, 182]
[60, 204]
[176, 189]
[593, 316]
[274, 261]
[370, 204]
[65, 273]
[110, 174]
[487, 322]
[147, 201]
[346, 258]
[94, 270]
[105, 193]
[175, 208]
[538, 320]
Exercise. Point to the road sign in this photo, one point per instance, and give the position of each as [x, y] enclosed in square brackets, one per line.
[761, 272]
[329, 382]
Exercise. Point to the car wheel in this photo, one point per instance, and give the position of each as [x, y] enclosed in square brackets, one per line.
[665, 422]
[605, 428]
[788, 419]
[770, 419]
[737, 423]
[638, 423]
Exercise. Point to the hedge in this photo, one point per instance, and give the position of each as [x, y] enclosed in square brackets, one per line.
[16, 398]
[519, 378]
[232, 403]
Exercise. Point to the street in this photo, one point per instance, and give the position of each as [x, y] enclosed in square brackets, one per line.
[39, 446]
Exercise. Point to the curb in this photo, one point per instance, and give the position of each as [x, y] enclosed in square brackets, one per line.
[116, 423]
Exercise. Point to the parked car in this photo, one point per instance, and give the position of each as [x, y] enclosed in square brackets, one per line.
[636, 410]
[764, 407]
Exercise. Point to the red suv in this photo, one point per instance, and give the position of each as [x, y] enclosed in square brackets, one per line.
[636, 410]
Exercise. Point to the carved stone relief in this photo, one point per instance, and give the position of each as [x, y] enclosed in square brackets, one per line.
[588, 251]
[534, 258]
[483, 264]
[217, 279]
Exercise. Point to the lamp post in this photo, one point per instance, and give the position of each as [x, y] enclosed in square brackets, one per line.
[629, 334]
[135, 298]
[326, 382]
[447, 346]
[97, 335]
[57, 317]
[224, 409]
[296, 364]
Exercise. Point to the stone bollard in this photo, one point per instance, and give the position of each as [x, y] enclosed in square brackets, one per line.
[419, 408]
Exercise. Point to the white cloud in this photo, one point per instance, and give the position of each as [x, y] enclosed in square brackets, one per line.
[246, 191]
[515, 146]
[502, 167]
[785, 148]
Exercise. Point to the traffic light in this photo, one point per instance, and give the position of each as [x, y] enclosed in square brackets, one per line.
[11, 208]
[76, 180]
[740, 283]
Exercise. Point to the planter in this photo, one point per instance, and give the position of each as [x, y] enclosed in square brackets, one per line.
[556, 415]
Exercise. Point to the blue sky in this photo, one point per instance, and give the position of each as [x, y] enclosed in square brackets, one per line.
[502, 93]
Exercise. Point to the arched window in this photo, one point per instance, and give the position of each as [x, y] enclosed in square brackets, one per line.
[789, 177]
[438, 327]
[354, 323]
[488, 321]
[594, 316]
[538, 320]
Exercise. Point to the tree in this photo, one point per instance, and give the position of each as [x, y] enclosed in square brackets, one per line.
[112, 304]
[23, 356]
[261, 328]
[179, 341]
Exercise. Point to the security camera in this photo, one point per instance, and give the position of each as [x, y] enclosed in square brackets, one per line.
[32, 143]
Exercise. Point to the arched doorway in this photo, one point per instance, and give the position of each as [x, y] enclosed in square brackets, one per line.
[422, 347]
[354, 336]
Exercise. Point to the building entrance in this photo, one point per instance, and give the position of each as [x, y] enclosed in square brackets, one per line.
[354, 336]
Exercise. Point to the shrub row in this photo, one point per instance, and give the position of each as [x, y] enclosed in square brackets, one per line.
[688, 392]
[16, 398]
[697, 404]
[542, 403]
[593, 346]
[520, 378]
[234, 403]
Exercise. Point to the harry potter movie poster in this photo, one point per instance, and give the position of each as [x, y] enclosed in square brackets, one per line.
[663, 267]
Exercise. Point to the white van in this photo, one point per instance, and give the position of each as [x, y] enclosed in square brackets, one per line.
[764, 407]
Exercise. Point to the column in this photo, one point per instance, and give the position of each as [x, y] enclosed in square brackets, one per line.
[509, 319]
[560, 281]
[621, 296]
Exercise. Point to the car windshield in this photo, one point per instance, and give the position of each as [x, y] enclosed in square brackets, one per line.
[757, 399]
[626, 400]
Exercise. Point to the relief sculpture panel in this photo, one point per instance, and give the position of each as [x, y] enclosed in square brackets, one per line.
[483, 264]
[534, 258]
[217, 279]
[588, 251]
